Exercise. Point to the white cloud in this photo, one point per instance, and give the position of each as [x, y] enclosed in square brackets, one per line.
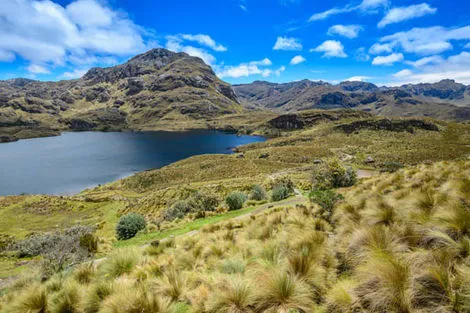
[288, 44]
[243, 7]
[358, 78]
[44, 32]
[38, 69]
[454, 67]
[297, 60]
[74, 74]
[174, 43]
[467, 46]
[349, 31]
[372, 5]
[388, 60]
[331, 48]
[401, 14]
[427, 41]
[245, 69]
[380, 48]
[204, 40]
[263, 62]
[366, 6]
[361, 55]
[435, 59]
[279, 71]
[403, 73]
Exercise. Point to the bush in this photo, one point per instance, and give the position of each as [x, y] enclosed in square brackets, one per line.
[235, 200]
[129, 225]
[178, 210]
[284, 181]
[279, 193]
[333, 174]
[258, 193]
[60, 249]
[201, 202]
[391, 167]
[326, 199]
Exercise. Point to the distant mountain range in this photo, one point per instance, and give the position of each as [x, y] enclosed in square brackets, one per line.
[445, 99]
[161, 89]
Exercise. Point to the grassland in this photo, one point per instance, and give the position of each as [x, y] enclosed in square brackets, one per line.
[398, 243]
[373, 255]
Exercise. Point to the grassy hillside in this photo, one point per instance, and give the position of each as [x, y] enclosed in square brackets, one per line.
[397, 243]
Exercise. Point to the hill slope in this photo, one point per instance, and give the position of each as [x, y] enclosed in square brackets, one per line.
[157, 89]
[445, 100]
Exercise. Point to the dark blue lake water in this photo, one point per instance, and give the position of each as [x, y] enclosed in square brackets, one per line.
[74, 161]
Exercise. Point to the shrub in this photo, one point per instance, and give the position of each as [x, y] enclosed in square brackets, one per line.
[326, 199]
[258, 193]
[279, 193]
[284, 181]
[201, 202]
[178, 210]
[235, 200]
[332, 174]
[391, 167]
[60, 249]
[129, 225]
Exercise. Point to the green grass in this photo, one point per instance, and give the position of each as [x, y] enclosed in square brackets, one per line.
[142, 239]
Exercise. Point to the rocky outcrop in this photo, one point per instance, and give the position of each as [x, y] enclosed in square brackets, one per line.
[396, 125]
[309, 118]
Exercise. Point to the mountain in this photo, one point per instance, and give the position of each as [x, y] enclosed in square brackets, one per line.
[446, 99]
[158, 89]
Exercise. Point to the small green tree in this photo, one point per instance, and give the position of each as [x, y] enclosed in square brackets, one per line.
[258, 193]
[129, 225]
[178, 210]
[235, 200]
[332, 174]
[326, 199]
[279, 192]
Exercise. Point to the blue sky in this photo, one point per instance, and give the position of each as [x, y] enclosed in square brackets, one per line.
[388, 42]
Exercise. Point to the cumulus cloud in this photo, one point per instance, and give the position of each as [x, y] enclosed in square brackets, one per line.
[37, 69]
[204, 40]
[366, 6]
[380, 48]
[331, 49]
[245, 69]
[403, 73]
[388, 60]
[297, 60]
[435, 59]
[455, 66]
[358, 78]
[74, 74]
[175, 43]
[361, 55]
[46, 33]
[400, 14]
[263, 62]
[279, 71]
[288, 44]
[348, 31]
[427, 41]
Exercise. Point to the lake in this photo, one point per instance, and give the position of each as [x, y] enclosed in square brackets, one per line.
[74, 161]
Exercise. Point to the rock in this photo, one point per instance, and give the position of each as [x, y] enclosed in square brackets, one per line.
[240, 156]
[5, 139]
[369, 160]
[317, 161]
[264, 155]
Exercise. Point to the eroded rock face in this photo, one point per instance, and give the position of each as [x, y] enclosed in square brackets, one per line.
[388, 124]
